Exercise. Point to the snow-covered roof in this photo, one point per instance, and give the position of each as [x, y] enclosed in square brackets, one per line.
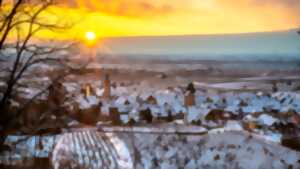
[87, 102]
[267, 119]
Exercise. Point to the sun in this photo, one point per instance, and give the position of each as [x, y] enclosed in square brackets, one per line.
[90, 36]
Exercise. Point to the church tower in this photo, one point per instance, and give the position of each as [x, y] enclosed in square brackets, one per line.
[106, 86]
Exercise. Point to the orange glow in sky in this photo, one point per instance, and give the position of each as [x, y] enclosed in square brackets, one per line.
[109, 18]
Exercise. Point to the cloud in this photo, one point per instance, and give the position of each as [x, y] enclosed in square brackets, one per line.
[281, 2]
[284, 4]
[177, 17]
[158, 8]
[136, 8]
[291, 6]
[264, 13]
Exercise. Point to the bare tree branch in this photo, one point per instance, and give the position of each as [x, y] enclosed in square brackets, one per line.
[34, 27]
[7, 22]
[25, 21]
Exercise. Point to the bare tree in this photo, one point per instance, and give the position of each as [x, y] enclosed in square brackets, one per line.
[20, 22]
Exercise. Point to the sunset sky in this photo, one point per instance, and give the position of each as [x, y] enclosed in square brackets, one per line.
[109, 18]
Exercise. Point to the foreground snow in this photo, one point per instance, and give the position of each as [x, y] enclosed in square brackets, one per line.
[231, 149]
[164, 146]
[219, 150]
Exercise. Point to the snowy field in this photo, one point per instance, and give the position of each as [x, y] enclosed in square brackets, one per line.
[167, 147]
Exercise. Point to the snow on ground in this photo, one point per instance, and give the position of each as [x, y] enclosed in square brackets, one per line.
[71, 87]
[29, 93]
[148, 150]
[271, 78]
[146, 67]
[159, 146]
[234, 85]
[239, 85]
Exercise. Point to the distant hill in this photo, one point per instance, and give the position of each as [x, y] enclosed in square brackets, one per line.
[281, 45]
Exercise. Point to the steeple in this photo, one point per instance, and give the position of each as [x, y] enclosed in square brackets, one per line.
[106, 85]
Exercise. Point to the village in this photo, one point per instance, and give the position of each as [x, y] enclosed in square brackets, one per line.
[272, 115]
